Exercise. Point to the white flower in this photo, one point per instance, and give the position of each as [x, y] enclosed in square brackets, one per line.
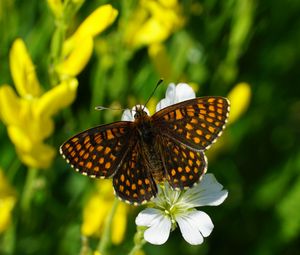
[174, 94]
[171, 206]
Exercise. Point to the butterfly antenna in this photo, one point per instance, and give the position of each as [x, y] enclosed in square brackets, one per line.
[101, 108]
[158, 83]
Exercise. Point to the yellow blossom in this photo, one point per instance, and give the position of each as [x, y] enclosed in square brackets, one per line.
[7, 202]
[23, 71]
[28, 114]
[96, 210]
[153, 21]
[77, 49]
[239, 98]
[56, 7]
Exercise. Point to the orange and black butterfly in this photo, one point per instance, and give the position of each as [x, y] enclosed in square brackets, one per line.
[168, 146]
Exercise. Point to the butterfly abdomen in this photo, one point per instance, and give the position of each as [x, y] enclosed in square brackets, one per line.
[154, 162]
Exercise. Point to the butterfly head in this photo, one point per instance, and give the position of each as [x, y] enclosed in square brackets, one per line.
[140, 112]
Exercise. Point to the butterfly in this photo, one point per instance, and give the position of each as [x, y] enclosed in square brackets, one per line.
[138, 155]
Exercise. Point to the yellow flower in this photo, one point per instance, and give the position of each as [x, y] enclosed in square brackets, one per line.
[7, 202]
[56, 7]
[23, 71]
[96, 210]
[28, 114]
[78, 48]
[153, 21]
[239, 98]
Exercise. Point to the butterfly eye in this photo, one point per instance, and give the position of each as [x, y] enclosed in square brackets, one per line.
[137, 115]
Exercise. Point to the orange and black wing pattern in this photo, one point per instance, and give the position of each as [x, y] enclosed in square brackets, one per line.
[99, 152]
[196, 123]
[183, 166]
[133, 182]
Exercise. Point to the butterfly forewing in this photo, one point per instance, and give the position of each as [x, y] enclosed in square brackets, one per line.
[133, 182]
[99, 151]
[195, 123]
[184, 167]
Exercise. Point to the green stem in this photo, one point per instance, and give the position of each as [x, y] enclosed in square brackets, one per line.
[61, 25]
[85, 248]
[13, 169]
[8, 240]
[106, 236]
[139, 241]
[28, 189]
[56, 49]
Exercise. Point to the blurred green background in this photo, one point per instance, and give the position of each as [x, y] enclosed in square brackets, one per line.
[212, 45]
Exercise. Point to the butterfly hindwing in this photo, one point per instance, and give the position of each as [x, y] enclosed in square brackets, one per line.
[184, 167]
[195, 123]
[133, 182]
[98, 152]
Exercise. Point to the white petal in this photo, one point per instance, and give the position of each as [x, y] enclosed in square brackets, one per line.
[163, 104]
[189, 229]
[207, 192]
[147, 216]
[127, 115]
[176, 94]
[184, 92]
[169, 99]
[159, 225]
[194, 225]
[202, 221]
[171, 91]
[159, 231]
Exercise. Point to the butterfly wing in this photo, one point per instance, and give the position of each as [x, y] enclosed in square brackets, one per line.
[196, 123]
[183, 166]
[99, 151]
[133, 182]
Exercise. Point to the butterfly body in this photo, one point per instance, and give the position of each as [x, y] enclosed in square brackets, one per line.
[168, 146]
[144, 125]
[148, 135]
